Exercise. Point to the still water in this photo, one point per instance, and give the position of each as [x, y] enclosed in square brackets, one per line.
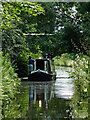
[51, 100]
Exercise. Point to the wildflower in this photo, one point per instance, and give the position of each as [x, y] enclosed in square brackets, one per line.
[84, 59]
[85, 90]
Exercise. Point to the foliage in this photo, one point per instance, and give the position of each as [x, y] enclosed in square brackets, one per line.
[22, 64]
[66, 59]
[70, 32]
[9, 87]
[83, 22]
[46, 44]
[69, 38]
[10, 80]
[46, 22]
[14, 44]
[73, 27]
[15, 22]
[45, 25]
[81, 75]
[19, 103]
[79, 106]
[15, 13]
[0, 85]
[37, 55]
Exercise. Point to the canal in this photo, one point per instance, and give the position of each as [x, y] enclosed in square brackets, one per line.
[51, 100]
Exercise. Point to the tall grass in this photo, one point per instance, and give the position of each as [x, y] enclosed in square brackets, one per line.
[10, 80]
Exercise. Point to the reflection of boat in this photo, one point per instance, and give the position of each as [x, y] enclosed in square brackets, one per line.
[41, 93]
[42, 70]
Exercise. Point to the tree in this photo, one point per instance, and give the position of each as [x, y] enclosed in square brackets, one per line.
[69, 29]
[15, 16]
[73, 25]
[44, 25]
[84, 24]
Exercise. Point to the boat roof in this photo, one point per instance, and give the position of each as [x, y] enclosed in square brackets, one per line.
[41, 59]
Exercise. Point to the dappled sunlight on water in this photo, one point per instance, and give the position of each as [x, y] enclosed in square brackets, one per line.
[63, 71]
[63, 84]
[64, 88]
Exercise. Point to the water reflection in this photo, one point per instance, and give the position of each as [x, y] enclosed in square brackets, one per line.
[44, 103]
[64, 88]
[64, 84]
[51, 100]
[41, 92]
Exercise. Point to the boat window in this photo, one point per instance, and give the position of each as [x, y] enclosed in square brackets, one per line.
[39, 64]
[49, 69]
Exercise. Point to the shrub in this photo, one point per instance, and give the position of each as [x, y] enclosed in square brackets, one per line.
[10, 81]
[80, 74]
[65, 59]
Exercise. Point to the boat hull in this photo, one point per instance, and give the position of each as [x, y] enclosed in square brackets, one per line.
[41, 76]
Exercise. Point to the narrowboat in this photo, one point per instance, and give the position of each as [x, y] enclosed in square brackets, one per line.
[43, 70]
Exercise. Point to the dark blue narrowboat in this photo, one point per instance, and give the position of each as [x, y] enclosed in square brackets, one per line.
[43, 70]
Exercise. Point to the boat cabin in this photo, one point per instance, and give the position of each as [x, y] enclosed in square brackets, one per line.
[41, 70]
[42, 64]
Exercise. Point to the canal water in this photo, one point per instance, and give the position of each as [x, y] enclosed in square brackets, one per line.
[51, 100]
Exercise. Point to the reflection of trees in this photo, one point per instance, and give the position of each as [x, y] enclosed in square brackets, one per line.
[58, 107]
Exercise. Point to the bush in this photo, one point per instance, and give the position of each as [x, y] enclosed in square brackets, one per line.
[80, 77]
[65, 59]
[80, 74]
[22, 64]
[10, 81]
